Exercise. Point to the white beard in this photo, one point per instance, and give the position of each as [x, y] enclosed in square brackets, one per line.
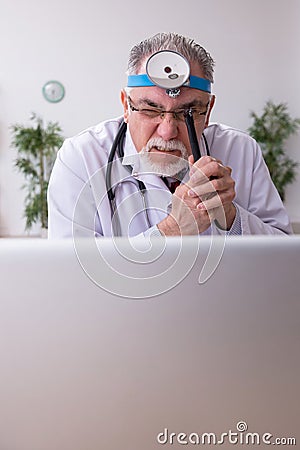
[174, 165]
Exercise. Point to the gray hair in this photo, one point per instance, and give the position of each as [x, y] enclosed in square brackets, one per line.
[170, 41]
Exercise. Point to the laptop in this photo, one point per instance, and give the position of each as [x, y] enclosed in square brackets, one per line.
[127, 345]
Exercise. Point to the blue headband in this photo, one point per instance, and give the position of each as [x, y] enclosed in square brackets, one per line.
[143, 80]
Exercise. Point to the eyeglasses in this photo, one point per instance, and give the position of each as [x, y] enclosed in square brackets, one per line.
[157, 115]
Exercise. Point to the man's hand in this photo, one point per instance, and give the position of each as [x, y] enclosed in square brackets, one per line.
[206, 197]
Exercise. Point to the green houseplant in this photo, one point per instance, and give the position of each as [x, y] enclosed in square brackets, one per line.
[271, 130]
[37, 147]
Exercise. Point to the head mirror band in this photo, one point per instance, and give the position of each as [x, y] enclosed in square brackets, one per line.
[194, 82]
[199, 83]
[139, 80]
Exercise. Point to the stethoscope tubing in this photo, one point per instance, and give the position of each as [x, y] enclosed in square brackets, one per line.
[118, 139]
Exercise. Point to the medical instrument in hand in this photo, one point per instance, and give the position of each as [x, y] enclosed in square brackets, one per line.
[192, 135]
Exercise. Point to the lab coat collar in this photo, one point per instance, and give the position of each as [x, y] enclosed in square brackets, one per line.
[130, 152]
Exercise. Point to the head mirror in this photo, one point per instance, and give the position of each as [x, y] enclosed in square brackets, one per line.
[168, 69]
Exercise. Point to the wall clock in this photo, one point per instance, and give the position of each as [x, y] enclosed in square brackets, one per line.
[53, 91]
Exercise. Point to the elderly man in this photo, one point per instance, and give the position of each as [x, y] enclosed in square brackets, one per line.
[141, 174]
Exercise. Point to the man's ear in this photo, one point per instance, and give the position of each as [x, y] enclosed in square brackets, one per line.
[124, 102]
[210, 107]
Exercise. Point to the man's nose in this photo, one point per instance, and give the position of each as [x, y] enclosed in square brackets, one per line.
[168, 127]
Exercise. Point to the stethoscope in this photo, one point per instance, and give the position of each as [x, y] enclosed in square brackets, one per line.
[118, 148]
[168, 70]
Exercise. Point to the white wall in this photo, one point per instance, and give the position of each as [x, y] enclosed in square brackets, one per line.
[85, 46]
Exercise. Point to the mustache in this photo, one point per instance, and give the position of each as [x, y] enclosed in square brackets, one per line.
[166, 146]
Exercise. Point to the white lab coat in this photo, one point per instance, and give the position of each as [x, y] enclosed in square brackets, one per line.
[78, 203]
